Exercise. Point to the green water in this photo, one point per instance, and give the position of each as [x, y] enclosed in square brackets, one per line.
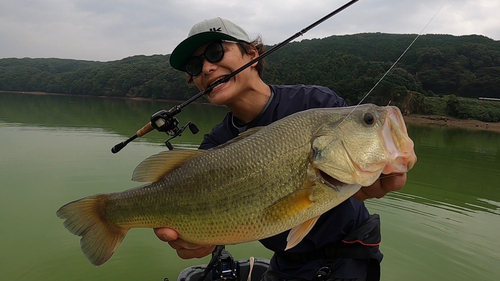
[444, 225]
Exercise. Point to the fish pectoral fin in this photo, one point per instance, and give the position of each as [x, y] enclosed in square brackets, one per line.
[289, 206]
[153, 168]
[299, 232]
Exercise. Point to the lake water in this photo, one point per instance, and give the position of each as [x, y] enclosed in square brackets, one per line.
[444, 225]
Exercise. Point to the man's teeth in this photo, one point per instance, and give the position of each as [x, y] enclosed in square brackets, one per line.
[216, 81]
[218, 85]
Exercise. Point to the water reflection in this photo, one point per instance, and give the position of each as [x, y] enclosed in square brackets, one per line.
[457, 167]
[120, 116]
[442, 226]
[436, 241]
[448, 214]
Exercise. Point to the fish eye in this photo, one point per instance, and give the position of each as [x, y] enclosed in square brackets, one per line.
[369, 118]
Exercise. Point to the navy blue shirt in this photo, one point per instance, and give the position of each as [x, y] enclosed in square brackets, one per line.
[331, 226]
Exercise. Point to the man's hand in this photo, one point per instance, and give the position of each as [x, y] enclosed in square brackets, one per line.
[185, 250]
[383, 185]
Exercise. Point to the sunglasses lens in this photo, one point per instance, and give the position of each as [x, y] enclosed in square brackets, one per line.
[193, 66]
[214, 52]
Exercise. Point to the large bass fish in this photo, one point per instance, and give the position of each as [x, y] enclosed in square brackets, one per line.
[268, 180]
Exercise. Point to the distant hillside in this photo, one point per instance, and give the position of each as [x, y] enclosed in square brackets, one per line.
[466, 66]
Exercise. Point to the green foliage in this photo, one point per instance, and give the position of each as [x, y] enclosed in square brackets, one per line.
[465, 108]
[433, 106]
[138, 76]
[437, 65]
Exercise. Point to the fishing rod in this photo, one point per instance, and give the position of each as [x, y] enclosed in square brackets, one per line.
[165, 120]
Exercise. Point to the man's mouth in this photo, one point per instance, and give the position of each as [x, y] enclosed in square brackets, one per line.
[217, 83]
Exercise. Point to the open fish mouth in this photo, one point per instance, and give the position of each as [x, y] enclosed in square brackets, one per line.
[386, 148]
[398, 144]
[331, 181]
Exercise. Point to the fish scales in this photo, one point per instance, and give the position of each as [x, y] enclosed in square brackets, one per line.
[266, 181]
[257, 173]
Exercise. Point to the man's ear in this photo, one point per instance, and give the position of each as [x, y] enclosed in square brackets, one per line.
[253, 53]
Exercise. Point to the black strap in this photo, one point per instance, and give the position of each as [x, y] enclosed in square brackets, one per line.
[333, 251]
[362, 243]
[355, 251]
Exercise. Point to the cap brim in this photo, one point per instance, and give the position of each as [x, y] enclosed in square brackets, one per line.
[186, 48]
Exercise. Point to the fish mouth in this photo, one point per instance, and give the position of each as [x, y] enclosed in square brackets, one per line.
[330, 181]
[398, 144]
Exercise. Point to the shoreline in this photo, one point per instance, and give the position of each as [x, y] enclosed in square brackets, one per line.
[450, 122]
[442, 121]
[88, 96]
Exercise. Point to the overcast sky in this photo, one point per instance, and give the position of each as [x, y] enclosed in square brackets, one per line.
[106, 30]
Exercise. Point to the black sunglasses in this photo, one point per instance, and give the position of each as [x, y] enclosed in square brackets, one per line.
[214, 52]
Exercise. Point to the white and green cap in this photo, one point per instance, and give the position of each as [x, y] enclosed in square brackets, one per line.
[203, 33]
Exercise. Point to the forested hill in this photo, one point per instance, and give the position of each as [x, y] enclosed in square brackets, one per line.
[467, 66]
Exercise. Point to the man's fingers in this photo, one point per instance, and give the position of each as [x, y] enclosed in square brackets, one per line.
[166, 234]
[185, 250]
[383, 185]
[393, 182]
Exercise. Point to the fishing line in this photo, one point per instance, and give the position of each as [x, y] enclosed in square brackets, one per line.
[385, 74]
[392, 66]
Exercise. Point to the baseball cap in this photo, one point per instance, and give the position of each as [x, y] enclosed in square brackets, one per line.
[203, 33]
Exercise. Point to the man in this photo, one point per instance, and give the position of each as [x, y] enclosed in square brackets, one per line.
[343, 245]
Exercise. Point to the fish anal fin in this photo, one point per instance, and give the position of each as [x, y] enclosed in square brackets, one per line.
[299, 232]
[86, 218]
[153, 168]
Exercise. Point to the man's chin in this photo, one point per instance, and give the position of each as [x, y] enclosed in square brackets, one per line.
[218, 96]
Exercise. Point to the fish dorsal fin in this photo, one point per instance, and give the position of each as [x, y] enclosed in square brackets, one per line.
[241, 136]
[299, 232]
[154, 167]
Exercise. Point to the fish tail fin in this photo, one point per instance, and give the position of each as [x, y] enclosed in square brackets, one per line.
[87, 218]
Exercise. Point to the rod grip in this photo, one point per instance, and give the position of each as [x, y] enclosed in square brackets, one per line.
[144, 130]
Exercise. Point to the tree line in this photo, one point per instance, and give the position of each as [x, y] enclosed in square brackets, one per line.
[435, 66]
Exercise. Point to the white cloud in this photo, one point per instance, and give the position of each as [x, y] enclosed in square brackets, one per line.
[113, 29]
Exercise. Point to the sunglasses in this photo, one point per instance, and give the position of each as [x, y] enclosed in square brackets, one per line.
[213, 53]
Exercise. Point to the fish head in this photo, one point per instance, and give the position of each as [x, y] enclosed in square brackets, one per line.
[365, 142]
